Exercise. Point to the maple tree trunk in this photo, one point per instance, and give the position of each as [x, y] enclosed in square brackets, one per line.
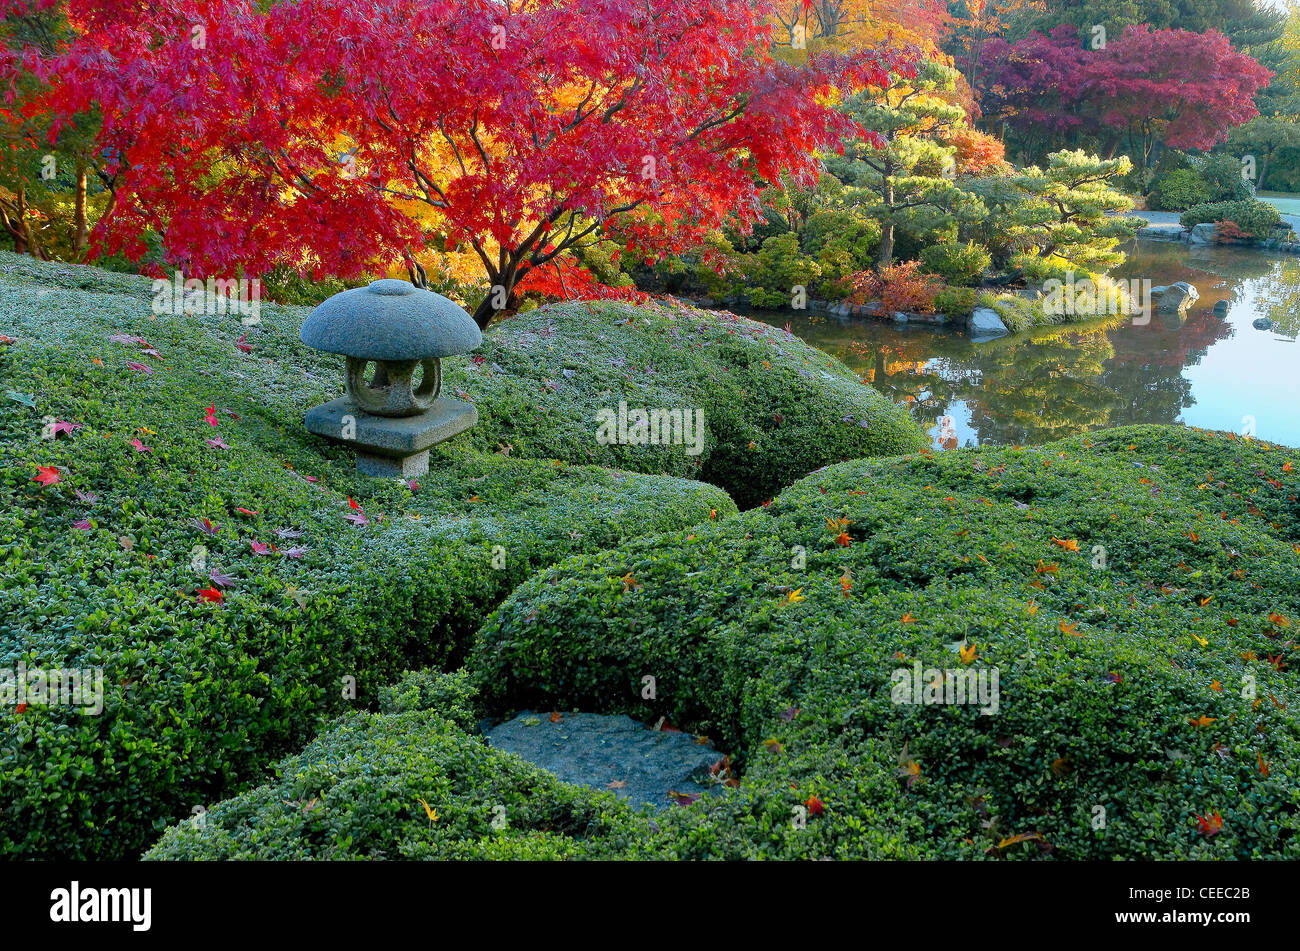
[485, 311]
[80, 224]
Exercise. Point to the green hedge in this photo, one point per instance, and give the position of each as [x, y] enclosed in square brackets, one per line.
[1254, 217]
[199, 695]
[356, 790]
[1099, 684]
[775, 408]
[1101, 670]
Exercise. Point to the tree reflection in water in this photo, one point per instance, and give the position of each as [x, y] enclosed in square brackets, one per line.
[1032, 388]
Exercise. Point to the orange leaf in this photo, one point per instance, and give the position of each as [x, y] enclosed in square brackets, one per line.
[1069, 544]
[1017, 839]
[1210, 826]
[1070, 629]
[907, 619]
[1202, 720]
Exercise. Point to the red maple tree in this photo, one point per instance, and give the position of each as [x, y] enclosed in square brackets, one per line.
[1186, 88]
[346, 136]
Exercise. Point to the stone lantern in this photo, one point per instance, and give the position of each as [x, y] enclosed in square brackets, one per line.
[392, 413]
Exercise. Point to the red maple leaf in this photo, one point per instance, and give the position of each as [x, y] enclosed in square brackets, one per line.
[47, 475]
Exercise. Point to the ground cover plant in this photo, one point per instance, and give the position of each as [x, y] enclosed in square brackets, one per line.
[1137, 589]
[167, 519]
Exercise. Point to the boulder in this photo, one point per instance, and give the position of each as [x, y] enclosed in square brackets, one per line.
[1262, 323]
[1202, 234]
[1174, 298]
[1221, 309]
[985, 324]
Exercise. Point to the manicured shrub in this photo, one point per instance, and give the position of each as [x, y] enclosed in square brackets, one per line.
[1179, 190]
[961, 264]
[357, 790]
[776, 270]
[1117, 605]
[956, 302]
[1253, 217]
[774, 407]
[1124, 615]
[207, 678]
[855, 233]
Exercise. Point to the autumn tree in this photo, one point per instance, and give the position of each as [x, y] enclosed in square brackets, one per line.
[1246, 23]
[306, 133]
[1185, 89]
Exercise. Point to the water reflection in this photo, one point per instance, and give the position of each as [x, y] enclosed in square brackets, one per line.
[1207, 371]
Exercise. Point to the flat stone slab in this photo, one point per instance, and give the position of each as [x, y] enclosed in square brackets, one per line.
[342, 421]
[602, 752]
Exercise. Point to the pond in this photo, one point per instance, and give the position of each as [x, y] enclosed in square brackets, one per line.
[1210, 372]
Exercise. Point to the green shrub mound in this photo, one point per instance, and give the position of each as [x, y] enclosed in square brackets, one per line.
[356, 790]
[1254, 217]
[774, 407]
[199, 695]
[1133, 698]
[1236, 477]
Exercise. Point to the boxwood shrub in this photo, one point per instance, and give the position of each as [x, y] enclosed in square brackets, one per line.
[1255, 217]
[1145, 646]
[1142, 684]
[775, 408]
[103, 568]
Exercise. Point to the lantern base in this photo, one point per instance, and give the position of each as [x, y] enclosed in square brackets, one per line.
[393, 467]
[388, 446]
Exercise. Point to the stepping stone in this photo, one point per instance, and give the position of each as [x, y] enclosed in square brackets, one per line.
[636, 763]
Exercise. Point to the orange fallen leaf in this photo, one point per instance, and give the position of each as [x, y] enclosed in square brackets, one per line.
[1212, 825]
[1070, 629]
[1069, 544]
[1202, 720]
[907, 619]
[1017, 839]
